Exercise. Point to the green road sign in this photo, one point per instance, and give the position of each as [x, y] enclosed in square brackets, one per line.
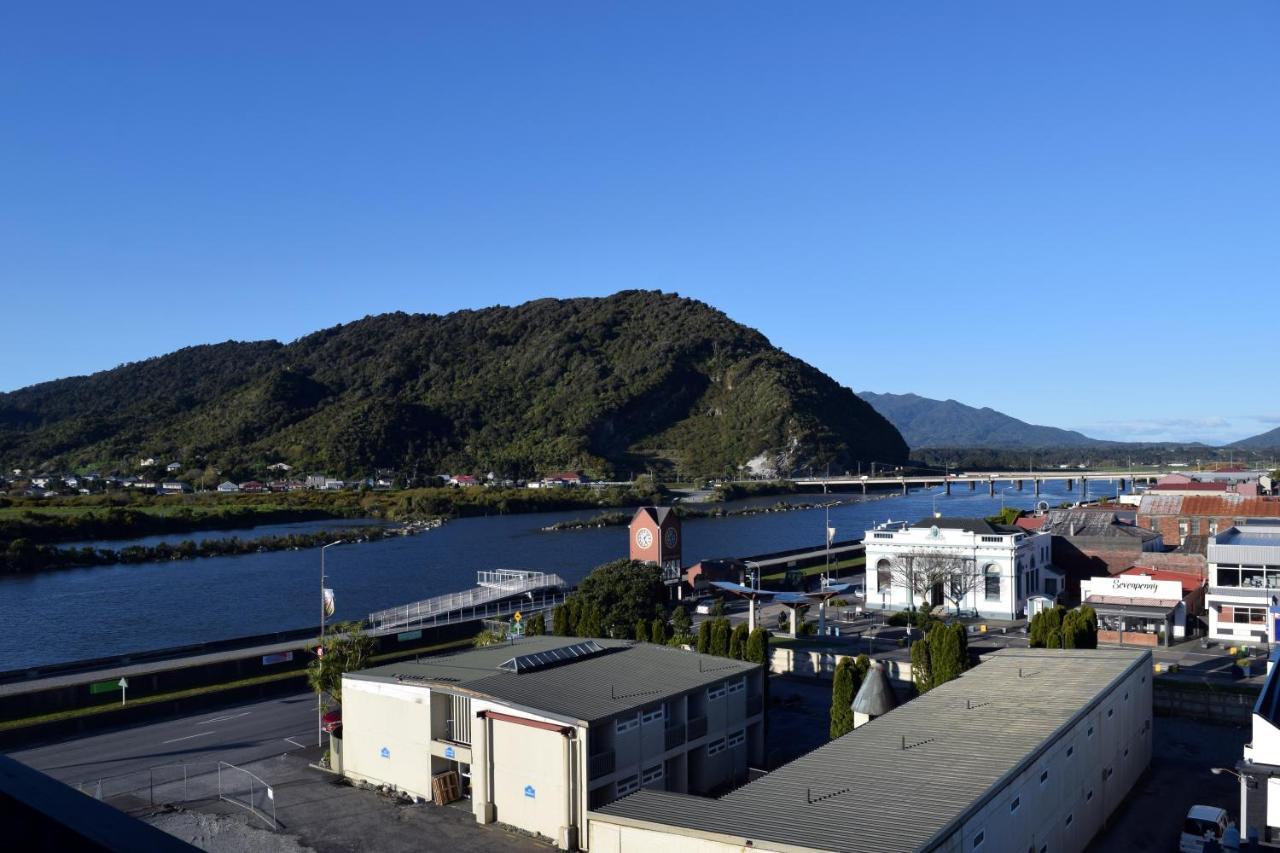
[104, 687]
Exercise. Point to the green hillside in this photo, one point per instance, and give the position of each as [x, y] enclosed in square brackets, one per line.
[611, 386]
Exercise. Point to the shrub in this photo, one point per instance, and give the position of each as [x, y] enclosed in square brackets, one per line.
[843, 689]
[658, 631]
[642, 631]
[704, 637]
[921, 666]
[560, 625]
[738, 641]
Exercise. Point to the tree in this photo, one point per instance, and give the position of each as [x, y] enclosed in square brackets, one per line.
[537, 625]
[560, 625]
[717, 607]
[946, 656]
[680, 621]
[658, 631]
[346, 649]
[719, 638]
[642, 631]
[622, 592]
[862, 664]
[843, 689]
[919, 573]
[757, 648]
[1088, 638]
[738, 641]
[962, 579]
[591, 624]
[704, 637]
[921, 669]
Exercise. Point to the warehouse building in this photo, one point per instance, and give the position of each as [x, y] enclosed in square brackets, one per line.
[1031, 750]
[542, 730]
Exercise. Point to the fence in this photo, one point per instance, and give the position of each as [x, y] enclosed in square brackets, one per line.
[242, 788]
[165, 784]
[492, 587]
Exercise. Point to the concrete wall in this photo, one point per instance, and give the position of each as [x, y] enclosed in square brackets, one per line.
[531, 778]
[386, 735]
[1228, 704]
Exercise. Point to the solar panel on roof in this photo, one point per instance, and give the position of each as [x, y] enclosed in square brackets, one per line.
[541, 660]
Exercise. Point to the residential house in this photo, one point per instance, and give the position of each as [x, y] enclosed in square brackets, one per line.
[283, 467]
[146, 462]
[462, 480]
[998, 566]
[316, 481]
[228, 486]
[174, 487]
[333, 484]
[173, 467]
[253, 486]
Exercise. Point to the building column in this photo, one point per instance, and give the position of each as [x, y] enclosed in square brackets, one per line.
[482, 771]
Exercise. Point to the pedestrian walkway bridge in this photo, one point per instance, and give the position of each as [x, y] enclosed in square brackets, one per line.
[496, 593]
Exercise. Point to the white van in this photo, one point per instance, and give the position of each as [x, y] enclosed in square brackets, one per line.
[1201, 822]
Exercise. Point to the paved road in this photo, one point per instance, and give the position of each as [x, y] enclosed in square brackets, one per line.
[236, 735]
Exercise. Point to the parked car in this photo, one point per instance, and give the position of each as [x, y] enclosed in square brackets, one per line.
[1202, 822]
[704, 606]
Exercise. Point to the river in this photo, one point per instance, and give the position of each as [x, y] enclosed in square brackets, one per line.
[75, 614]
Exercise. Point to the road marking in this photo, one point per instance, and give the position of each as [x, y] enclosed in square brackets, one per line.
[222, 719]
[188, 737]
[294, 742]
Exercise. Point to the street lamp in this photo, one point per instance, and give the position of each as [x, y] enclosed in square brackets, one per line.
[320, 650]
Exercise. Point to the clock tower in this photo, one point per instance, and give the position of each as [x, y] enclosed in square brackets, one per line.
[656, 538]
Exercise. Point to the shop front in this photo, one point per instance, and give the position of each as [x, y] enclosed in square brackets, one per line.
[1136, 610]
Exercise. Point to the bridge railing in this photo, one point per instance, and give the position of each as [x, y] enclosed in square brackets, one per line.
[495, 587]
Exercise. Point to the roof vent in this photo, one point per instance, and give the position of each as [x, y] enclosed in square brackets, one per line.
[551, 657]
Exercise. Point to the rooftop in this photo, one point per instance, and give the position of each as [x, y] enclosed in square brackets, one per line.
[1238, 506]
[1095, 523]
[862, 792]
[619, 677]
[1259, 535]
[968, 525]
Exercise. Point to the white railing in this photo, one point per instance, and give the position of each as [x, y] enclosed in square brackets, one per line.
[493, 587]
[526, 605]
[242, 788]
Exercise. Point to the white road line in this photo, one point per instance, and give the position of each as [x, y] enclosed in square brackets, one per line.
[222, 719]
[294, 742]
[188, 737]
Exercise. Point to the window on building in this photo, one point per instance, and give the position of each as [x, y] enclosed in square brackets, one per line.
[1069, 819]
[1071, 750]
[991, 574]
[651, 775]
[1090, 731]
[1050, 586]
[653, 715]
[1110, 711]
[884, 576]
[715, 747]
[737, 686]
[1088, 796]
[1013, 807]
[1044, 776]
[716, 692]
[737, 738]
[628, 785]
[1213, 527]
[979, 838]
[626, 724]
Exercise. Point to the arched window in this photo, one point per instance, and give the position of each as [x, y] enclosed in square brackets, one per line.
[884, 576]
[991, 574]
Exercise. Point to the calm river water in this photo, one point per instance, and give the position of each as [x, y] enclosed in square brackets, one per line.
[94, 612]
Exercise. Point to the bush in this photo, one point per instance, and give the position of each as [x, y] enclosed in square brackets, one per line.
[921, 666]
[862, 664]
[537, 625]
[658, 631]
[560, 625]
[704, 637]
[738, 641]
[642, 631]
[843, 688]
[720, 638]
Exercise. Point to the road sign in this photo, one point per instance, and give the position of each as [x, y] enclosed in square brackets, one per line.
[124, 685]
[517, 617]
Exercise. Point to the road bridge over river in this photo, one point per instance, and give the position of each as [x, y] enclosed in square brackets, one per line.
[988, 479]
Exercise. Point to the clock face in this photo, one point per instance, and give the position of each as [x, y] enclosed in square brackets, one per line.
[644, 538]
[670, 537]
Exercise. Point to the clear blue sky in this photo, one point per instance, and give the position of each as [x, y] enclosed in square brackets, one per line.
[1069, 212]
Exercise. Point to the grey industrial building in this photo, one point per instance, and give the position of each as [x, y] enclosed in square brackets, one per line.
[544, 729]
[1030, 750]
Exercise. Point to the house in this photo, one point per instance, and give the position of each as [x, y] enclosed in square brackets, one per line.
[253, 486]
[541, 731]
[1176, 517]
[316, 481]
[146, 462]
[1033, 749]
[228, 486]
[1244, 583]
[283, 467]
[333, 484]
[462, 480]
[564, 478]
[174, 487]
[173, 467]
[996, 567]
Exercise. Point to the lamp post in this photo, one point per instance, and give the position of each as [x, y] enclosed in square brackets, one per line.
[320, 649]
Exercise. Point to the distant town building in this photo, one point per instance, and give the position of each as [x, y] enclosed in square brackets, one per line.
[1138, 607]
[462, 480]
[146, 462]
[1089, 542]
[541, 731]
[1244, 583]
[253, 486]
[280, 466]
[173, 467]
[1002, 565]
[228, 486]
[174, 487]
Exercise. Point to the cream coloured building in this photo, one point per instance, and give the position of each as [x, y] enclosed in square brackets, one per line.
[1033, 749]
[545, 729]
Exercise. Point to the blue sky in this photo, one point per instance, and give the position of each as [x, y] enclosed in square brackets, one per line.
[1067, 211]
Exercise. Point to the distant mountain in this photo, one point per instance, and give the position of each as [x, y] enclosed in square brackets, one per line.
[945, 423]
[609, 386]
[1266, 441]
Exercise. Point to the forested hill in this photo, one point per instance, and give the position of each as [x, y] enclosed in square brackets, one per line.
[1269, 440]
[609, 386]
[924, 422]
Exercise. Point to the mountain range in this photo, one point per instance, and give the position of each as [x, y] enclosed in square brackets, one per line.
[610, 386]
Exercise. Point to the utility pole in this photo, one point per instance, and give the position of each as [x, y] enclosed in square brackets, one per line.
[324, 608]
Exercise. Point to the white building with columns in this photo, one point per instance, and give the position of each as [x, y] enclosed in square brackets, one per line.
[1002, 565]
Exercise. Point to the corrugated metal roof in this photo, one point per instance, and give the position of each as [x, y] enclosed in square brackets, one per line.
[626, 676]
[1210, 505]
[863, 792]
